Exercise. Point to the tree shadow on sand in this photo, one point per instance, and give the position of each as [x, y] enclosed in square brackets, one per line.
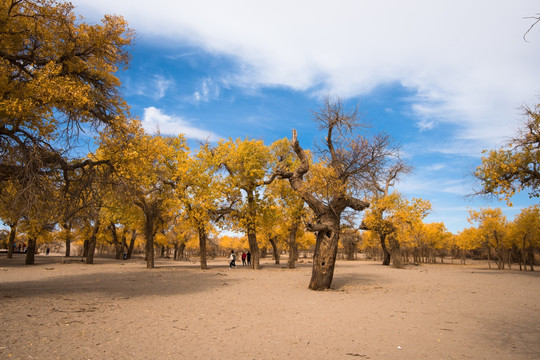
[131, 284]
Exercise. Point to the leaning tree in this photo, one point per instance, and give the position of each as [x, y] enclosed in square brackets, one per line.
[347, 161]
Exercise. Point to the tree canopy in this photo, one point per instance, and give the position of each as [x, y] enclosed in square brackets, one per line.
[57, 78]
[515, 166]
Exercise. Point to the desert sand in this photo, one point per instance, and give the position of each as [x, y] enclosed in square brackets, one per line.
[120, 310]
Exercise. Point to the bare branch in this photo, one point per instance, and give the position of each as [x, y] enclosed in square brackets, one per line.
[533, 25]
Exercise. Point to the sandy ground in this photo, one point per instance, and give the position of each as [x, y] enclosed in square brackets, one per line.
[119, 310]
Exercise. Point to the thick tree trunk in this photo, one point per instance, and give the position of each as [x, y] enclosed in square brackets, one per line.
[386, 253]
[92, 243]
[350, 247]
[293, 247]
[117, 244]
[181, 249]
[149, 234]
[85, 248]
[68, 245]
[324, 259]
[11, 240]
[251, 232]
[67, 238]
[254, 249]
[123, 245]
[30, 251]
[203, 237]
[395, 250]
[131, 244]
[275, 250]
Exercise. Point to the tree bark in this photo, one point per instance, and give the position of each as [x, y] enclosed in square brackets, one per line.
[395, 250]
[251, 230]
[181, 249]
[117, 244]
[531, 258]
[324, 259]
[92, 243]
[85, 248]
[386, 253]
[149, 235]
[275, 250]
[254, 249]
[293, 247]
[123, 245]
[30, 251]
[203, 237]
[11, 241]
[131, 244]
[68, 242]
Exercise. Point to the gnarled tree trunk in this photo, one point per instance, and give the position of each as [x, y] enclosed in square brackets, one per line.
[274, 249]
[149, 235]
[117, 244]
[324, 259]
[203, 237]
[11, 241]
[30, 251]
[293, 247]
[92, 243]
[254, 249]
[131, 244]
[386, 253]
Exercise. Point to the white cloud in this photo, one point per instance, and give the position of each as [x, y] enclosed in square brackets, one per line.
[415, 184]
[208, 89]
[154, 120]
[465, 60]
[161, 86]
[155, 87]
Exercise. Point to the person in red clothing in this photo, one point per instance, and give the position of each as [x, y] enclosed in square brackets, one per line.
[244, 258]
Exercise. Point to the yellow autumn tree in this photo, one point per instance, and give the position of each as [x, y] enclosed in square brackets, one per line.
[515, 166]
[290, 208]
[147, 169]
[400, 222]
[467, 240]
[247, 163]
[207, 197]
[348, 157]
[525, 235]
[11, 211]
[57, 76]
[493, 229]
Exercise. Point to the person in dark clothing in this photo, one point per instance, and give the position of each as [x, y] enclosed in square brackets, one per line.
[248, 257]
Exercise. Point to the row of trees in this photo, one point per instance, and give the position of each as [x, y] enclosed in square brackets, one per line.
[57, 80]
[58, 86]
[492, 237]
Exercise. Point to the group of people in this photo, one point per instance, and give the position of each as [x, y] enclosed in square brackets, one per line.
[246, 259]
[19, 248]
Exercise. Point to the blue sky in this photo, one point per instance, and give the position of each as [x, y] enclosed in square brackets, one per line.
[444, 78]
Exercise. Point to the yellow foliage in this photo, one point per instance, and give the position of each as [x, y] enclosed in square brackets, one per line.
[233, 243]
[514, 167]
